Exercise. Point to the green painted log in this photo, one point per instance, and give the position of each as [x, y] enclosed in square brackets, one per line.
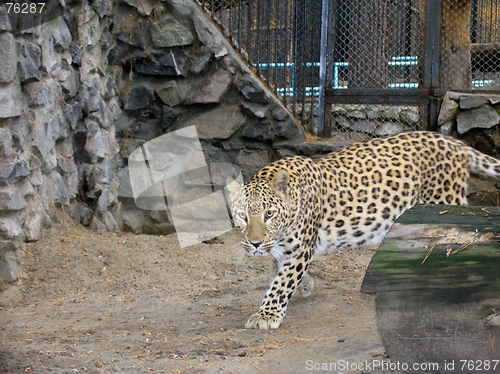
[437, 279]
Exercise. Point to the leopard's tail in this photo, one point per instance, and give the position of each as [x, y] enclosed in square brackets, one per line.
[483, 164]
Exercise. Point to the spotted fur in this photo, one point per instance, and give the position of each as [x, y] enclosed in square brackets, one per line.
[297, 208]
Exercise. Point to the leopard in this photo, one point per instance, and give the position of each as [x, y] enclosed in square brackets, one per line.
[298, 208]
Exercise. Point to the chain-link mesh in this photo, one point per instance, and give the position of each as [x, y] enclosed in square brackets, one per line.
[372, 44]
[281, 40]
[376, 44]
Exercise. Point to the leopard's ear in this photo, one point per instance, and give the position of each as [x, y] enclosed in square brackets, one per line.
[280, 183]
[233, 187]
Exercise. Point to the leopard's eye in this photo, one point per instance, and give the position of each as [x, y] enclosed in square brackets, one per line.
[242, 216]
[269, 213]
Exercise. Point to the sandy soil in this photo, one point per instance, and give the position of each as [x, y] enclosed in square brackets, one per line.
[120, 303]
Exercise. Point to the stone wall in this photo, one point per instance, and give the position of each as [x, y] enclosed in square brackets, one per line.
[80, 93]
[475, 118]
[178, 70]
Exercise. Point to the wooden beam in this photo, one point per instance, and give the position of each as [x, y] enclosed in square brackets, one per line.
[437, 275]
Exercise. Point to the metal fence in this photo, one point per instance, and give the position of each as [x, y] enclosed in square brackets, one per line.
[361, 68]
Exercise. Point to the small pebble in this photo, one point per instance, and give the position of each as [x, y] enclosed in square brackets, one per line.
[242, 353]
[341, 340]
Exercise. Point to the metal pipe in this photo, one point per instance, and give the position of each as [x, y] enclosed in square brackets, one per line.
[322, 130]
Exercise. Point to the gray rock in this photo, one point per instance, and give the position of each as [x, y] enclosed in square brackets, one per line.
[135, 31]
[7, 168]
[70, 82]
[343, 122]
[29, 61]
[252, 90]
[8, 57]
[215, 88]
[472, 101]
[94, 145]
[13, 168]
[89, 27]
[201, 63]
[389, 128]
[60, 129]
[8, 261]
[103, 116]
[167, 32]
[139, 97]
[392, 113]
[218, 123]
[290, 130]
[4, 20]
[43, 138]
[356, 114]
[410, 117]
[10, 228]
[114, 107]
[170, 94]
[253, 159]
[258, 110]
[109, 221]
[90, 93]
[82, 213]
[258, 131]
[49, 163]
[6, 149]
[280, 114]
[73, 114]
[446, 128]
[220, 172]
[169, 116]
[144, 7]
[373, 114]
[33, 228]
[97, 225]
[91, 62]
[172, 63]
[22, 169]
[485, 117]
[125, 188]
[494, 99]
[51, 60]
[10, 100]
[38, 93]
[364, 126]
[11, 199]
[207, 34]
[448, 110]
[61, 196]
[59, 31]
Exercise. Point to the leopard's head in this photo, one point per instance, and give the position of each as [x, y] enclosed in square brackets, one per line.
[260, 210]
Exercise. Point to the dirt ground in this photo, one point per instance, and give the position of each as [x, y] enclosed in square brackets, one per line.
[119, 303]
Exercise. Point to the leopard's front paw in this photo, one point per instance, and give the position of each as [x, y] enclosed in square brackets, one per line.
[264, 321]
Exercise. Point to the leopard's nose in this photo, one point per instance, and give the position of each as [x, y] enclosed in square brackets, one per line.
[255, 243]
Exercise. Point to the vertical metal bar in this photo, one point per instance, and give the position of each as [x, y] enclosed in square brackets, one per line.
[268, 41]
[294, 55]
[259, 36]
[277, 15]
[407, 40]
[432, 41]
[431, 59]
[240, 16]
[249, 31]
[322, 128]
[285, 56]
